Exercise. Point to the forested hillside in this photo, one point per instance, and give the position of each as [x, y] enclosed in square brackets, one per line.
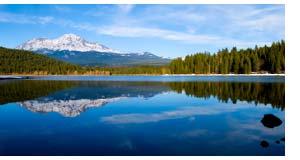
[145, 69]
[244, 61]
[14, 61]
[266, 59]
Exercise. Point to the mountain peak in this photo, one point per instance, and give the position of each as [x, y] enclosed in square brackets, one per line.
[70, 42]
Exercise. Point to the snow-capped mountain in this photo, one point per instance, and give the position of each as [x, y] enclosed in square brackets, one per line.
[67, 108]
[74, 49]
[68, 42]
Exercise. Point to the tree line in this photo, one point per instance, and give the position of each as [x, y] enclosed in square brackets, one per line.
[141, 69]
[13, 61]
[269, 59]
[266, 59]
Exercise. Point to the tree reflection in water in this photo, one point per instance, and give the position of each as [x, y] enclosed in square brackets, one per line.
[263, 93]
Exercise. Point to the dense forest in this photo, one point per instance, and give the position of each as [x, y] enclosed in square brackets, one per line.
[259, 60]
[13, 61]
[266, 59]
[145, 69]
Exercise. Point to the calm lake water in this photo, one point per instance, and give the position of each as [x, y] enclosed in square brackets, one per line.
[143, 115]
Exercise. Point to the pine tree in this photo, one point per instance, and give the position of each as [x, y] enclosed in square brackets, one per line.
[270, 59]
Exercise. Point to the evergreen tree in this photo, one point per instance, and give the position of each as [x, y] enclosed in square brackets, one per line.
[259, 59]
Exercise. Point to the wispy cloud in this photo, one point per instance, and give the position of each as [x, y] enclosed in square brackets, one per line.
[249, 21]
[184, 112]
[126, 8]
[269, 22]
[121, 30]
[24, 19]
[44, 20]
[218, 25]
[174, 14]
[62, 8]
[126, 31]
[185, 37]
[190, 24]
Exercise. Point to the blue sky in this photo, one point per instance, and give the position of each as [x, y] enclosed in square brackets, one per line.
[165, 30]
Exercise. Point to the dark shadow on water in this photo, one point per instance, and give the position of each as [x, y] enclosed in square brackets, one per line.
[271, 121]
[263, 93]
[21, 90]
[264, 144]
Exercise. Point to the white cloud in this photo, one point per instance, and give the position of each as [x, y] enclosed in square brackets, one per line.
[127, 31]
[44, 20]
[148, 32]
[183, 112]
[218, 25]
[124, 31]
[24, 19]
[269, 22]
[177, 15]
[125, 8]
[251, 20]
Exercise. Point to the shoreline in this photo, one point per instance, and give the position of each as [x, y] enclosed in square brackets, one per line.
[20, 76]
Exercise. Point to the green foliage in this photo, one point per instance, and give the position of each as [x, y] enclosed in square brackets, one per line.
[138, 70]
[260, 59]
[14, 61]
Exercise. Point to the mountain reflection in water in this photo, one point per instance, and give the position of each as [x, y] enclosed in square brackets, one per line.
[70, 98]
[142, 117]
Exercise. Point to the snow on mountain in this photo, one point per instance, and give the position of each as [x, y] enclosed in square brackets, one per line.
[74, 49]
[69, 42]
[67, 108]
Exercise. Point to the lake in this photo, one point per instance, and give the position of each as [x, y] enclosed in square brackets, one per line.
[143, 115]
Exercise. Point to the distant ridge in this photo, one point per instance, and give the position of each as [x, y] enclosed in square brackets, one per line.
[75, 49]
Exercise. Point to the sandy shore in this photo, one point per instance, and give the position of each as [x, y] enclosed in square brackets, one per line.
[28, 76]
[224, 75]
